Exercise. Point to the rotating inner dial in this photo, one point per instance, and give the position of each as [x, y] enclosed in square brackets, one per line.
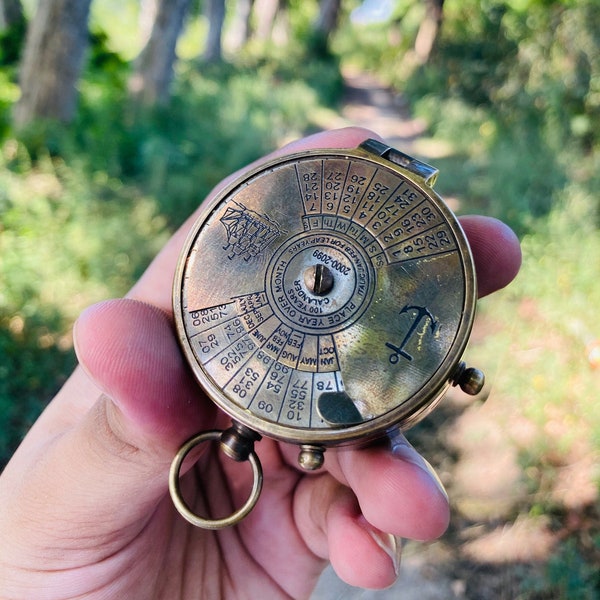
[319, 282]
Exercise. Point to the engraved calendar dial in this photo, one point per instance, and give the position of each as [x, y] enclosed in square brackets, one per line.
[326, 296]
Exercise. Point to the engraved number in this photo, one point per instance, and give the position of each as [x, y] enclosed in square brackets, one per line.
[266, 406]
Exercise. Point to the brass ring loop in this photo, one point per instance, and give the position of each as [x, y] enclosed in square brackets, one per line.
[181, 505]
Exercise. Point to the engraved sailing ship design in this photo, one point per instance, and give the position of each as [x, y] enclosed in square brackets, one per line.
[248, 232]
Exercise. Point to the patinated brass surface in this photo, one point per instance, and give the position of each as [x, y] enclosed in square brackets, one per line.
[327, 296]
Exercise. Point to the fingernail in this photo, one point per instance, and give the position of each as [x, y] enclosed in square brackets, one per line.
[401, 448]
[390, 544]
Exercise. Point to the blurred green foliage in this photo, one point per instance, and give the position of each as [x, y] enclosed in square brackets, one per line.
[571, 576]
[84, 208]
[513, 86]
[511, 99]
[510, 94]
[67, 240]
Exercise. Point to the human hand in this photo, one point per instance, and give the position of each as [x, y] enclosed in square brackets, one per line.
[84, 505]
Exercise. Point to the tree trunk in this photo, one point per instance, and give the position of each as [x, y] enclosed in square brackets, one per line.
[153, 71]
[239, 32]
[148, 11]
[56, 43]
[11, 14]
[326, 23]
[216, 17]
[265, 12]
[428, 30]
[280, 32]
[329, 11]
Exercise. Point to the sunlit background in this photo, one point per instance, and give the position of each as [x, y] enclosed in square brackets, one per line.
[503, 97]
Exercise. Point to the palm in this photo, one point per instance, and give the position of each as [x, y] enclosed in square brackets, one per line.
[162, 556]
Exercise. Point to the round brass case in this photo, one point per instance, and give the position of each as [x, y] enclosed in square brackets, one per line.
[326, 297]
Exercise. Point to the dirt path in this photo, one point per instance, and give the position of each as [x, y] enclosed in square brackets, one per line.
[482, 555]
[371, 105]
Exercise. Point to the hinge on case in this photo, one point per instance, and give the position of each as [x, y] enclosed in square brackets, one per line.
[424, 171]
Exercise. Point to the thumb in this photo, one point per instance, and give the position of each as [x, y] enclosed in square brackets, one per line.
[149, 406]
[128, 348]
[97, 483]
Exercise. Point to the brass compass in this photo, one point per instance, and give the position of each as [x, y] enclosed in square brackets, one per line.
[325, 298]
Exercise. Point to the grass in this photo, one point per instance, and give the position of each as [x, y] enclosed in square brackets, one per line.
[550, 372]
[67, 241]
[84, 209]
[542, 343]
